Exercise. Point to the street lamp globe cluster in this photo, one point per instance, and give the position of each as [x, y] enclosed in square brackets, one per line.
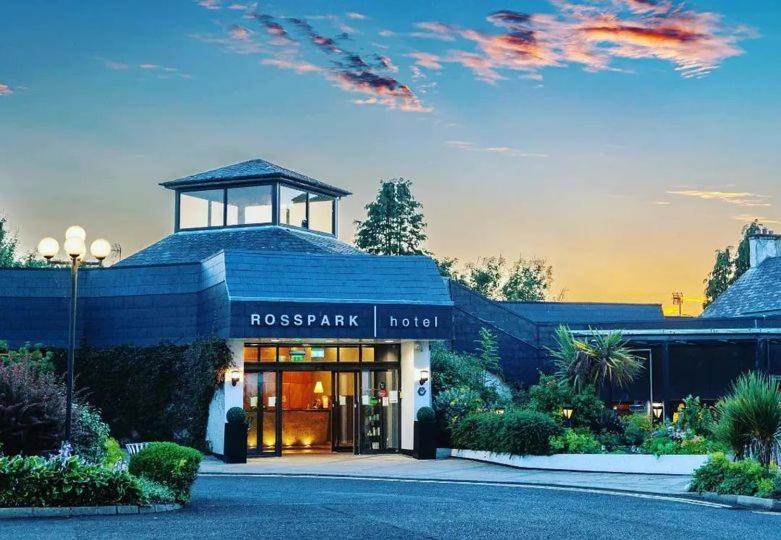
[75, 248]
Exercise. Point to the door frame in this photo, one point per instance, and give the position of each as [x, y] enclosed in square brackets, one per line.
[335, 418]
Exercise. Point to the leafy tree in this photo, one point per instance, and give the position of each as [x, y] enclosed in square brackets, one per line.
[729, 265]
[525, 280]
[602, 359]
[486, 276]
[394, 223]
[528, 280]
[448, 267]
[9, 258]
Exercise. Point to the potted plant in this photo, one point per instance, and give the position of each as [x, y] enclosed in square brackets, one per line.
[425, 443]
[235, 449]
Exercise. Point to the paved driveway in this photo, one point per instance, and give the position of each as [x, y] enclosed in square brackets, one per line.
[394, 466]
[235, 507]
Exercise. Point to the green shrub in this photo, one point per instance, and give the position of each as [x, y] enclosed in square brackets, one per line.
[60, 481]
[695, 417]
[170, 464]
[576, 442]
[113, 453]
[517, 431]
[455, 403]
[154, 492]
[744, 477]
[157, 393]
[90, 434]
[637, 427]
[549, 396]
[32, 409]
[750, 417]
[236, 415]
[426, 414]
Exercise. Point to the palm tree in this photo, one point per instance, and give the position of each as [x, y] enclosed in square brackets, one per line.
[599, 360]
[750, 418]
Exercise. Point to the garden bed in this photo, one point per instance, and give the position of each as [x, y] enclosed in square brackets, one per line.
[74, 511]
[683, 465]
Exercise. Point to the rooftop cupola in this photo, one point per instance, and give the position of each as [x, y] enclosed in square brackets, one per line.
[763, 245]
[252, 194]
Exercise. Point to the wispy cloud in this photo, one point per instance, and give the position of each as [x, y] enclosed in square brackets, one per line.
[160, 71]
[356, 16]
[213, 5]
[738, 198]
[426, 60]
[748, 218]
[297, 66]
[592, 34]
[502, 150]
[239, 32]
[5, 90]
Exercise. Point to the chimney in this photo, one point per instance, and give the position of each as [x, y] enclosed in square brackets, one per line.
[762, 245]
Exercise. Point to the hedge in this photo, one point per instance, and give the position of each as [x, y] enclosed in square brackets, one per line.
[169, 464]
[159, 393]
[36, 481]
[517, 431]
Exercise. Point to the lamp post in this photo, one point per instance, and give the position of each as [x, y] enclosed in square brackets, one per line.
[566, 412]
[76, 249]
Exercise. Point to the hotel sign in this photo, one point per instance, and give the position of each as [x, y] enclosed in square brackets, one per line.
[303, 320]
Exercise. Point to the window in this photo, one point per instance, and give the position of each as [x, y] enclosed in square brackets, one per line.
[321, 213]
[250, 355]
[292, 207]
[268, 354]
[201, 208]
[249, 205]
[348, 354]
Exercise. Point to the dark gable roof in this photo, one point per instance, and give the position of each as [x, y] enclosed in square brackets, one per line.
[585, 312]
[252, 169]
[756, 293]
[300, 277]
[195, 246]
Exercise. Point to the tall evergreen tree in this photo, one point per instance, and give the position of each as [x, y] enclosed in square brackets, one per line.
[729, 265]
[394, 223]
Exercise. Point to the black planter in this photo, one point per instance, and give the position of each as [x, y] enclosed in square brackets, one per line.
[235, 449]
[425, 443]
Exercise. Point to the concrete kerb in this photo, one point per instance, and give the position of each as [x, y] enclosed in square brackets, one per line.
[78, 511]
[742, 501]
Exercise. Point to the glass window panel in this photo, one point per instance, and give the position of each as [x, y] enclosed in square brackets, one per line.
[380, 410]
[292, 207]
[248, 205]
[268, 354]
[348, 354]
[251, 406]
[269, 408]
[250, 355]
[368, 354]
[321, 213]
[386, 353]
[201, 209]
[306, 410]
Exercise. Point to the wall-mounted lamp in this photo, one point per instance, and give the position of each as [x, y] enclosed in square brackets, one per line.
[423, 376]
[235, 377]
[499, 410]
[566, 412]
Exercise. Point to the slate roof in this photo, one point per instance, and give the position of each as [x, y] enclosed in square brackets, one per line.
[246, 170]
[585, 312]
[756, 293]
[302, 277]
[195, 246]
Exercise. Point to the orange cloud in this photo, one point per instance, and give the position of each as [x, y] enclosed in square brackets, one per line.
[239, 32]
[298, 67]
[426, 60]
[5, 90]
[738, 198]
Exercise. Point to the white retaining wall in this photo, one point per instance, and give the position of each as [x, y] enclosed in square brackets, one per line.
[607, 463]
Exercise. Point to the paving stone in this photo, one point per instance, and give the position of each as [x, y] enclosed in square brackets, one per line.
[51, 512]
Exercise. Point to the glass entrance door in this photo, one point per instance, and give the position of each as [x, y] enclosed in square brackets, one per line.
[344, 410]
[380, 411]
[260, 402]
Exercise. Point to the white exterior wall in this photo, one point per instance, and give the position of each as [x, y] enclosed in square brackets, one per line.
[224, 398]
[412, 361]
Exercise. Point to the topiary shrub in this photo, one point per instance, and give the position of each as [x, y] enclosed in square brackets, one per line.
[32, 409]
[236, 415]
[526, 432]
[426, 414]
[169, 464]
[517, 431]
[63, 481]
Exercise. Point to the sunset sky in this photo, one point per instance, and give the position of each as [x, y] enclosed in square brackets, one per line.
[622, 140]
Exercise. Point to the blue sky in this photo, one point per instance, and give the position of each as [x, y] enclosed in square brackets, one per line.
[623, 140]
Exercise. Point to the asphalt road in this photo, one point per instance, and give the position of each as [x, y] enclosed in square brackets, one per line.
[279, 507]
